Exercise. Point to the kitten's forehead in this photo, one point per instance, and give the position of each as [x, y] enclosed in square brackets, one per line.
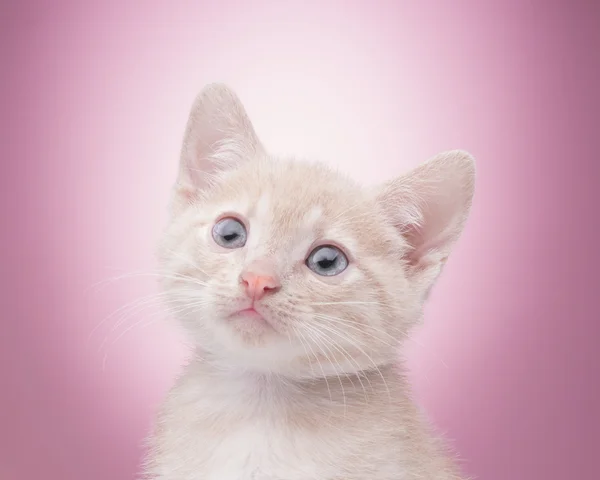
[282, 226]
[261, 209]
[283, 190]
[311, 218]
[291, 205]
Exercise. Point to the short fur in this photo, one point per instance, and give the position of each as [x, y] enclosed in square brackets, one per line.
[317, 393]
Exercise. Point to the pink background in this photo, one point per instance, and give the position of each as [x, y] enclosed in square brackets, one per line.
[94, 97]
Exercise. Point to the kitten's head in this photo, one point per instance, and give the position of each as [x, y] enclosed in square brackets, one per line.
[288, 267]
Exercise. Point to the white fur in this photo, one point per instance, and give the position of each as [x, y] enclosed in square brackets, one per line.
[315, 392]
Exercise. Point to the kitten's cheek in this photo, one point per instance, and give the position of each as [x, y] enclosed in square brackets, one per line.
[205, 238]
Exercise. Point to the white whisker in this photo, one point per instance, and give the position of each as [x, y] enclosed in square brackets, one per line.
[345, 303]
[171, 311]
[332, 363]
[353, 325]
[339, 334]
[320, 364]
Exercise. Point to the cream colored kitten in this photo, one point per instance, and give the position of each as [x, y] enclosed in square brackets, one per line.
[297, 287]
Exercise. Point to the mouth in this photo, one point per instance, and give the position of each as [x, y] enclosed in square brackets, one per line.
[249, 313]
[250, 318]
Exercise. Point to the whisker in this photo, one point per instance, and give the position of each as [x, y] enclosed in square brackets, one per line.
[335, 332]
[159, 274]
[153, 320]
[351, 359]
[126, 308]
[319, 344]
[352, 325]
[396, 343]
[134, 311]
[168, 296]
[188, 261]
[347, 356]
[301, 337]
[345, 303]
[320, 365]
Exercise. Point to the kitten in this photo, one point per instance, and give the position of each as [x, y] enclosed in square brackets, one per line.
[297, 286]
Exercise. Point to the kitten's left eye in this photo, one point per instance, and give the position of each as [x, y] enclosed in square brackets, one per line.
[327, 261]
[229, 233]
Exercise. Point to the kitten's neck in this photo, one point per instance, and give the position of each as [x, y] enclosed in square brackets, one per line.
[385, 382]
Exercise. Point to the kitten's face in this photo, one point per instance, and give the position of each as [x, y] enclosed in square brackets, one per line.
[283, 266]
[335, 298]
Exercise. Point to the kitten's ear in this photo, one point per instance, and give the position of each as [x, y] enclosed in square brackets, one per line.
[429, 207]
[218, 137]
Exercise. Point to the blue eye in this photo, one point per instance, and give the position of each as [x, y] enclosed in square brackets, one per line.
[327, 261]
[229, 233]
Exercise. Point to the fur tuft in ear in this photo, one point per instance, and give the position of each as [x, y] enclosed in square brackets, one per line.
[218, 136]
[429, 207]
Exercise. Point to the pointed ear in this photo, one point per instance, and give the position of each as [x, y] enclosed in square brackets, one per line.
[429, 207]
[218, 137]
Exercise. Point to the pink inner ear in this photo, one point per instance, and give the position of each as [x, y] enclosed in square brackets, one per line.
[417, 256]
[432, 235]
[218, 135]
[414, 254]
[429, 206]
[414, 236]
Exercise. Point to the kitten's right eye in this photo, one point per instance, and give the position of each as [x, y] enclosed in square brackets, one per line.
[327, 260]
[229, 233]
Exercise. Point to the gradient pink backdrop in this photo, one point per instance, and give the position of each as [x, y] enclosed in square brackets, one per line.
[94, 97]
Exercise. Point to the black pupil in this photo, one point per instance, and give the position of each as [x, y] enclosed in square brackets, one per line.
[325, 264]
[329, 260]
[230, 230]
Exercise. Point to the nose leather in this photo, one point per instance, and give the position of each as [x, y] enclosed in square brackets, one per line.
[259, 279]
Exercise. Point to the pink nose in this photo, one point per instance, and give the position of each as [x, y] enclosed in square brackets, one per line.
[258, 285]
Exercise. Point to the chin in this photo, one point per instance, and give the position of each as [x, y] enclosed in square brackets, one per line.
[252, 342]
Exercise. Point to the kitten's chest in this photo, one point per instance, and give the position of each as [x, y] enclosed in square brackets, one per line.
[211, 432]
[260, 452]
[257, 451]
